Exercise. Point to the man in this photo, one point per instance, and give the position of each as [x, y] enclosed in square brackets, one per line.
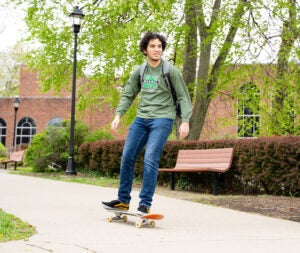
[153, 124]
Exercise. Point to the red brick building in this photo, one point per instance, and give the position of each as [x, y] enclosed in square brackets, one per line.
[38, 110]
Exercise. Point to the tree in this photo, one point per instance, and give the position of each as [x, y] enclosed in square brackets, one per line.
[245, 21]
[206, 38]
[107, 43]
[284, 106]
[9, 72]
[207, 76]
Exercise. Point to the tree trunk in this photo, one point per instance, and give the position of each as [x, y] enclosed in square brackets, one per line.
[282, 105]
[206, 82]
[190, 57]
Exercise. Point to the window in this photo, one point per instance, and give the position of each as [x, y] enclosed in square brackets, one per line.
[26, 128]
[248, 111]
[2, 131]
[55, 122]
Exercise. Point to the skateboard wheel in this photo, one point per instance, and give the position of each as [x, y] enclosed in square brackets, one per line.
[152, 223]
[125, 218]
[138, 224]
[109, 219]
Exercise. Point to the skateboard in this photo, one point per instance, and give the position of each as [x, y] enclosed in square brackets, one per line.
[143, 220]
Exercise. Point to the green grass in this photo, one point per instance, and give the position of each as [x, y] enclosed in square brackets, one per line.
[92, 178]
[12, 228]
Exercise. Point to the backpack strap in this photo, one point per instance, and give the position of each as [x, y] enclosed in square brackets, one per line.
[166, 68]
[142, 72]
[167, 78]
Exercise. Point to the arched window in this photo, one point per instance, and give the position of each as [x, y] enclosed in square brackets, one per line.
[26, 128]
[248, 111]
[2, 131]
[55, 122]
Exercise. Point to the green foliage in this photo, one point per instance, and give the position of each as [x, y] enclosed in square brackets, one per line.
[3, 151]
[12, 228]
[46, 147]
[98, 135]
[107, 42]
[102, 156]
[227, 33]
[52, 145]
[9, 72]
[83, 176]
[183, 183]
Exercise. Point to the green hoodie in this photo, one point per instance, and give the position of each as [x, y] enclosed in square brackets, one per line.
[156, 99]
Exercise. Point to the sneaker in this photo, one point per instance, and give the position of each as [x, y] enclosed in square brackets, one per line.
[142, 210]
[116, 204]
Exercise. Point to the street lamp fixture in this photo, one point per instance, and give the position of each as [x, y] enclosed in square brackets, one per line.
[77, 17]
[16, 104]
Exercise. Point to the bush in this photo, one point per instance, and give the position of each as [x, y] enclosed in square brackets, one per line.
[46, 147]
[271, 165]
[52, 145]
[260, 165]
[3, 151]
[98, 135]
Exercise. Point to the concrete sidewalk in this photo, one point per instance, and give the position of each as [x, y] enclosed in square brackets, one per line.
[69, 219]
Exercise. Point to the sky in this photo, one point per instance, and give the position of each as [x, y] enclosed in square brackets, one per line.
[12, 27]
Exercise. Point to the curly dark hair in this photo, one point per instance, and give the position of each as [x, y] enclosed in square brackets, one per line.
[151, 36]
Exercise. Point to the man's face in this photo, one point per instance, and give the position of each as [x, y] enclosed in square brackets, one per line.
[154, 50]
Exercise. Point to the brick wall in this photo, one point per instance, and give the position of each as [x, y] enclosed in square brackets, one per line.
[42, 107]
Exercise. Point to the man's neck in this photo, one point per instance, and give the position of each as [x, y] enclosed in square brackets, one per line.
[153, 63]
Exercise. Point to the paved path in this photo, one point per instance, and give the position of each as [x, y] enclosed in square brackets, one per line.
[69, 219]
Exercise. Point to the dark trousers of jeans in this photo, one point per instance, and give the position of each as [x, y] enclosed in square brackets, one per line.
[152, 133]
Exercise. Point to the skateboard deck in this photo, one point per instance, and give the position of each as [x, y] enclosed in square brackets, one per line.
[143, 220]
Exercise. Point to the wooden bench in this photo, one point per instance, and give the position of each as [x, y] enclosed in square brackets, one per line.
[14, 157]
[202, 160]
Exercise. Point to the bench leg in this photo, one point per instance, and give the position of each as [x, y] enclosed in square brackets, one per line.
[216, 184]
[15, 166]
[172, 181]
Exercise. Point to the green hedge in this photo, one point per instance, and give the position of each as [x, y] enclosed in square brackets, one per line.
[271, 165]
[261, 165]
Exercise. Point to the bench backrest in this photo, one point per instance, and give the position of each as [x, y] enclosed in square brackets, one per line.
[17, 156]
[204, 159]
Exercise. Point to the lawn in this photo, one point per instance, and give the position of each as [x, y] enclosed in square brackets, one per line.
[12, 228]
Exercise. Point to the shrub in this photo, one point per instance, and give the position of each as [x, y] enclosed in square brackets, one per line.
[3, 151]
[46, 147]
[52, 145]
[260, 165]
[98, 135]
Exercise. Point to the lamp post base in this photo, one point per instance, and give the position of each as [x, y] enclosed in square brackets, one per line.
[70, 167]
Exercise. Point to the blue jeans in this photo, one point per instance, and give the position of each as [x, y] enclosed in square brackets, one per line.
[150, 132]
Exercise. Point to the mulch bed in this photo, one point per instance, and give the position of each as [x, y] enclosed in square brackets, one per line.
[287, 208]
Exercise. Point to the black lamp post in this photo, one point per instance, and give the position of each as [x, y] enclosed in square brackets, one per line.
[16, 104]
[77, 17]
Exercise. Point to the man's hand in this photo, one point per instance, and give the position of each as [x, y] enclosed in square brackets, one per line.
[115, 122]
[184, 130]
